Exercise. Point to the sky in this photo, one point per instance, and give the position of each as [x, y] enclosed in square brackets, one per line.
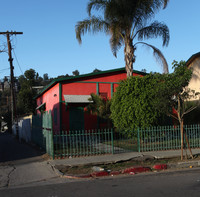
[49, 45]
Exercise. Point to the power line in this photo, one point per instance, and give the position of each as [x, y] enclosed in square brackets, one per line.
[18, 62]
[4, 69]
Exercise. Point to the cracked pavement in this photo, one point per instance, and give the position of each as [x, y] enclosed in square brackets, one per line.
[23, 174]
[21, 164]
[5, 172]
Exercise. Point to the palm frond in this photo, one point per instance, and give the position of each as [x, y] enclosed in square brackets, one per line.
[94, 25]
[158, 55]
[116, 39]
[165, 3]
[148, 8]
[154, 30]
[96, 103]
[96, 4]
[155, 4]
[99, 106]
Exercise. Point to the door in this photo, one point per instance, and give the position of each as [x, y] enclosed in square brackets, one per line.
[76, 118]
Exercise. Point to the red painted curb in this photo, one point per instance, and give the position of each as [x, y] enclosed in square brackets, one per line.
[113, 173]
[85, 176]
[131, 171]
[160, 167]
[136, 170]
[97, 174]
[77, 176]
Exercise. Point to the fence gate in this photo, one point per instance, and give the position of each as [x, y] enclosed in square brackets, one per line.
[48, 132]
[42, 132]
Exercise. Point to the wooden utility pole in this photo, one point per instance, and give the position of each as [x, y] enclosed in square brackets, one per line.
[12, 85]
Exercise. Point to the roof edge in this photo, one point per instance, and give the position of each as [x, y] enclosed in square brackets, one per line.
[188, 62]
[55, 81]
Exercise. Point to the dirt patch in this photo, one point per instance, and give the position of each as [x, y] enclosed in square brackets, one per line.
[145, 161]
[75, 170]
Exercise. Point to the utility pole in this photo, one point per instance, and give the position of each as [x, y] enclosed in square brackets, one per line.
[12, 86]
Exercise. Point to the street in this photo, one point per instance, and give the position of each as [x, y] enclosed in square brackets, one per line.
[182, 183]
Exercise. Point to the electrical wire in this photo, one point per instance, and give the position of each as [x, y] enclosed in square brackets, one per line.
[2, 70]
[17, 62]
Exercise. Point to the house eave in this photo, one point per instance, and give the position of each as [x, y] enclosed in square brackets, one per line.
[63, 79]
[192, 58]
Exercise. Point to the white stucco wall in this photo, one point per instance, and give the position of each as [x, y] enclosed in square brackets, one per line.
[195, 80]
[24, 128]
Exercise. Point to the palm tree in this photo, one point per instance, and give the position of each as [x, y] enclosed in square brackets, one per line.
[126, 21]
[101, 107]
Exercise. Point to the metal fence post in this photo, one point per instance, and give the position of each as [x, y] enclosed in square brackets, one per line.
[112, 140]
[138, 139]
[52, 142]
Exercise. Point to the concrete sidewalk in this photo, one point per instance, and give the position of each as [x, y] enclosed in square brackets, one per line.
[94, 160]
[26, 173]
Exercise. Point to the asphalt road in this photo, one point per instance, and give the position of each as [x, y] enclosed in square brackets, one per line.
[181, 183]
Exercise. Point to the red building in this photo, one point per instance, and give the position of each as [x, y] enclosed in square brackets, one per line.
[67, 97]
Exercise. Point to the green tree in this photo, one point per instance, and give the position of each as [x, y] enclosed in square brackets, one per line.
[5, 79]
[30, 76]
[75, 73]
[25, 102]
[5, 107]
[140, 101]
[45, 77]
[96, 70]
[135, 101]
[184, 101]
[126, 21]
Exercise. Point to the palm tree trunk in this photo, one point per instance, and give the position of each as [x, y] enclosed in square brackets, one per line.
[129, 56]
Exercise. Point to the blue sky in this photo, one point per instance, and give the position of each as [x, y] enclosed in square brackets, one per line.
[49, 45]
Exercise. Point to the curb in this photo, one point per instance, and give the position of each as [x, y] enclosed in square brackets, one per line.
[98, 174]
[160, 167]
[59, 173]
[189, 164]
[85, 176]
[132, 170]
[136, 170]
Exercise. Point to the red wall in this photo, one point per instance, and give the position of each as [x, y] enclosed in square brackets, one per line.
[79, 86]
[110, 77]
[78, 89]
[51, 98]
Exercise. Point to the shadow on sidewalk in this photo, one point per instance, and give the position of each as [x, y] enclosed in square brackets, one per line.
[11, 149]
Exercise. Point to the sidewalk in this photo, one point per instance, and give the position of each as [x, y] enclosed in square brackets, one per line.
[22, 173]
[94, 160]
[21, 164]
